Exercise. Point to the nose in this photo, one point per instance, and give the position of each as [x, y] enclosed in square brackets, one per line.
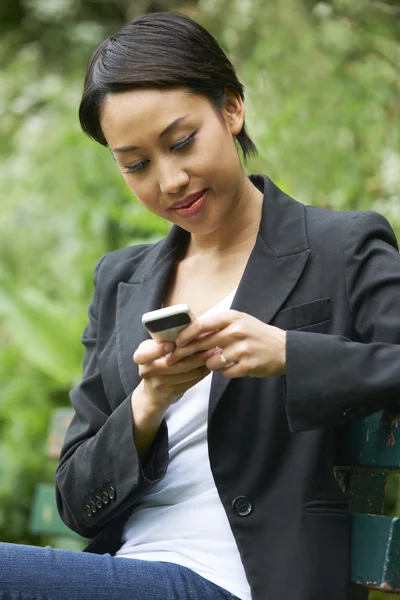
[172, 178]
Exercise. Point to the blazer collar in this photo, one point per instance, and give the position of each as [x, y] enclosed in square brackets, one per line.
[272, 271]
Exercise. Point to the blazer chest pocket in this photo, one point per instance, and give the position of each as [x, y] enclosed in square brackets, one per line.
[309, 316]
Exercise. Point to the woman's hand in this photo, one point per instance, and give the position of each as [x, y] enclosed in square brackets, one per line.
[163, 384]
[251, 348]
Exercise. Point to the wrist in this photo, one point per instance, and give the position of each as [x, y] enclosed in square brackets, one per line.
[282, 352]
[146, 412]
[146, 421]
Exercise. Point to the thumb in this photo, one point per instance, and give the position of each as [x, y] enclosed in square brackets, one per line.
[150, 350]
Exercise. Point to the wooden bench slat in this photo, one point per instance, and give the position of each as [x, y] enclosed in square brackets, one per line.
[365, 490]
[375, 552]
[372, 442]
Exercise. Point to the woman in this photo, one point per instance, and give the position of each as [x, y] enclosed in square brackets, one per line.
[206, 468]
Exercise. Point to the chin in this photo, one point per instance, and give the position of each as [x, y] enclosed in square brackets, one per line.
[200, 228]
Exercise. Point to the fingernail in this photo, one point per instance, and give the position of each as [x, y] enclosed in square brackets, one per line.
[210, 353]
[168, 347]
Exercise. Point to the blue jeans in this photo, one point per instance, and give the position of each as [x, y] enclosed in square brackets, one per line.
[33, 573]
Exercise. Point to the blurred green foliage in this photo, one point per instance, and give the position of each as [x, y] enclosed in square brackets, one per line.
[322, 86]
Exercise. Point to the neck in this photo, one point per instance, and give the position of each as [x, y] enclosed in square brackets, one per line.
[238, 232]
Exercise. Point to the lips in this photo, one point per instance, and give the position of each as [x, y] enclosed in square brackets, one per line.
[188, 201]
[195, 208]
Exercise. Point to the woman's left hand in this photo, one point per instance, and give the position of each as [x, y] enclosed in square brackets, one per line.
[250, 347]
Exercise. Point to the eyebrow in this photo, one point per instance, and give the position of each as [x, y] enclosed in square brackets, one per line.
[162, 134]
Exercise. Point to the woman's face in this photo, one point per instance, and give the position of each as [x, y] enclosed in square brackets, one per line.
[170, 147]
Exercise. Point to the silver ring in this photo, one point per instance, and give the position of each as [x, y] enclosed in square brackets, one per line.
[223, 359]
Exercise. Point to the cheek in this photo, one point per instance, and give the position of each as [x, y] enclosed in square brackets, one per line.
[210, 157]
[220, 150]
[146, 195]
[127, 180]
[137, 187]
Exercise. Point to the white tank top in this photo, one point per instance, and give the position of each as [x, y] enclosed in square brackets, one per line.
[182, 520]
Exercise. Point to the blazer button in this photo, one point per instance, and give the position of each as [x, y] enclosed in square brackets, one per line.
[242, 506]
[88, 510]
[99, 502]
[105, 497]
[111, 493]
[93, 507]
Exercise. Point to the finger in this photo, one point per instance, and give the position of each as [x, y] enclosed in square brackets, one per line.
[161, 366]
[195, 374]
[214, 363]
[180, 389]
[202, 345]
[233, 370]
[186, 358]
[174, 379]
[150, 350]
[201, 326]
[229, 368]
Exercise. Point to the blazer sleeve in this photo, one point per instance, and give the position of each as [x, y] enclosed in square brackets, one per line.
[100, 474]
[331, 379]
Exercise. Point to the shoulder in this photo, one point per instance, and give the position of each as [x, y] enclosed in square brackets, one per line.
[291, 226]
[122, 264]
[346, 228]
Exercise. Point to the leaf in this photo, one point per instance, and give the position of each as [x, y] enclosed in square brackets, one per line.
[46, 334]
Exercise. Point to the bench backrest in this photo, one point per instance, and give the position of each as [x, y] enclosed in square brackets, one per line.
[368, 451]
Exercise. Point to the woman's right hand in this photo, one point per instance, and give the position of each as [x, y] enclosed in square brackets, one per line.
[161, 386]
[164, 384]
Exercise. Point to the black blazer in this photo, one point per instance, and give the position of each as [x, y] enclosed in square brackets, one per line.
[332, 279]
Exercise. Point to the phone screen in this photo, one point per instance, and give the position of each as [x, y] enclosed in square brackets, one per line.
[171, 322]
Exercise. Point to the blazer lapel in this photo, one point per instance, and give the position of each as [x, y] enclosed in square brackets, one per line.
[274, 266]
[143, 292]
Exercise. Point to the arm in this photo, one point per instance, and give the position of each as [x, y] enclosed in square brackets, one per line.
[331, 379]
[99, 451]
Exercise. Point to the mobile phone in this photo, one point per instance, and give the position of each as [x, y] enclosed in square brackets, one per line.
[165, 324]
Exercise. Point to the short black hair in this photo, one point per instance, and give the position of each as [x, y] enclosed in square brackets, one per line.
[159, 50]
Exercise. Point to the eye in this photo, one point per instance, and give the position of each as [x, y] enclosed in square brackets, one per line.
[138, 167]
[184, 143]
[176, 148]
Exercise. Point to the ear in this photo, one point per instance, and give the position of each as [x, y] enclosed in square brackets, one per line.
[233, 111]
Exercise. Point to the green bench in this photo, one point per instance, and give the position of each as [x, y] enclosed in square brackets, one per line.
[44, 518]
[368, 452]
